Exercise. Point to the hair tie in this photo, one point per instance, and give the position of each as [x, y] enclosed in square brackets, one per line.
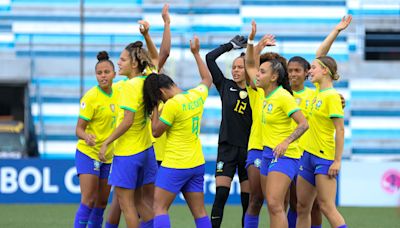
[322, 64]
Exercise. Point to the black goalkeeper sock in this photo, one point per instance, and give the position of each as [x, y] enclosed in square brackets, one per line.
[221, 196]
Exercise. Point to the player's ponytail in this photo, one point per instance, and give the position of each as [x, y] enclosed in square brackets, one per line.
[152, 92]
[140, 55]
[283, 78]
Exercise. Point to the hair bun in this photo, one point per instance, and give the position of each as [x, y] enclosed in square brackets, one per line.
[138, 44]
[103, 55]
[336, 76]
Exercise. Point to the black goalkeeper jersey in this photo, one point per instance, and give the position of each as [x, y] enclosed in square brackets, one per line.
[236, 112]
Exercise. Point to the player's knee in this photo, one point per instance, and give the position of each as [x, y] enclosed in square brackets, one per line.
[274, 206]
[89, 199]
[256, 202]
[199, 212]
[159, 208]
[326, 207]
[303, 207]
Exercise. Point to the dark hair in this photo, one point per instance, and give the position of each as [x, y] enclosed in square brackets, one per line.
[330, 63]
[283, 79]
[304, 63]
[138, 53]
[152, 92]
[102, 56]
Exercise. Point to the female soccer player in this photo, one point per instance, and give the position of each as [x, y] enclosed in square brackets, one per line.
[97, 116]
[134, 165]
[255, 147]
[234, 130]
[323, 150]
[157, 59]
[182, 169]
[280, 154]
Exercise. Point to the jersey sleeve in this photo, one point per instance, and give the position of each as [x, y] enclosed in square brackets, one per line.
[169, 112]
[289, 104]
[86, 110]
[254, 95]
[129, 101]
[335, 109]
[202, 90]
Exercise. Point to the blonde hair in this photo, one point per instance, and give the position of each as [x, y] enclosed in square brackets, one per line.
[138, 53]
[330, 64]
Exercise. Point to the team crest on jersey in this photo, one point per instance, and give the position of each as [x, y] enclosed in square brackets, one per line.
[83, 105]
[270, 108]
[257, 163]
[201, 88]
[307, 103]
[242, 94]
[96, 165]
[319, 103]
[298, 101]
[112, 107]
[220, 167]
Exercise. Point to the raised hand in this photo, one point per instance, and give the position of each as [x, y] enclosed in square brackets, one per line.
[343, 23]
[253, 32]
[165, 14]
[266, 40]
[238, 42]
[195, 45]
[144, 27]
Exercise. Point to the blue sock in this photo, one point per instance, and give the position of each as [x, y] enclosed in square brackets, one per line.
[109, 225]
[162, 221]
[82, 216]
[250, 221]
[292, 217]
[96, 218]
[319, 226]
[148, 224]
[203, 222]
[342, 226]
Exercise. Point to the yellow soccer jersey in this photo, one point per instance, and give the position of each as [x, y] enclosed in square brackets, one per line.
[160, 142]
[276, 121]
[303, 99]
[256, 99]
[138, 137]
[118, 87]
[325, 106]
[100, 110]
[183, 114]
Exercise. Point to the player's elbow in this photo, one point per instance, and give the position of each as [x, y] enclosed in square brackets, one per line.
[304, 125]
[156, 134]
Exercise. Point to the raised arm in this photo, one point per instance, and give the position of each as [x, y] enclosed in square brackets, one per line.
[327, 43]
[165, 47]
[205, 75]
[212, 65]
[144, 30]
[250, 62]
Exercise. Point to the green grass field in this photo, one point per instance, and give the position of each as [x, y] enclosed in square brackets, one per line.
[62, 215]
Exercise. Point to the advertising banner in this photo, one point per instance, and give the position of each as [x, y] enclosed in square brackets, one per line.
[365, 183]
[55, 181]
